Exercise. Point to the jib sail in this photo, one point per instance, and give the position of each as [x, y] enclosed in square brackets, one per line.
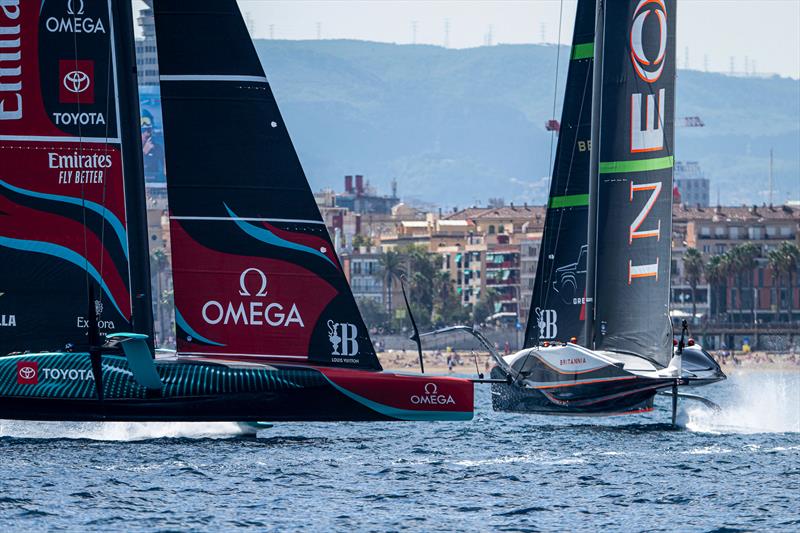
[254, 270]
[68, 216]
[633, 191]
[558, 305]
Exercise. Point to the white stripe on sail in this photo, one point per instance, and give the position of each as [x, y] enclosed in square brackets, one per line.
[53, 138]
[259, 356]
[251, 219]
[211, 77]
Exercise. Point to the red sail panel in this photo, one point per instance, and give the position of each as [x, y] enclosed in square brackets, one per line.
[62, 196]
[254, 268]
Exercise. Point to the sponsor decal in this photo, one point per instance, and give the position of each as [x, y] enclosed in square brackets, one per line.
[77, 81]
[343, 338]
[648, 108]
[11, 72]
[67, 374]
[431, 396]
[547, 320]
[83, 119]
[252, 309]
[75, 20]
[8, 321]
[79, 168]
[27, 372]
[572, 361]
[72, 10]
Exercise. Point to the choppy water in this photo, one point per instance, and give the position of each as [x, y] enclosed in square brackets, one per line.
[732, 471]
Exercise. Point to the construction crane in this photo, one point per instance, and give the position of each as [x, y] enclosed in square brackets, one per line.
[682, 122]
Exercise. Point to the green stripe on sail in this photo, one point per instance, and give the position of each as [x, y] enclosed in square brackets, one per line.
[583, 51]
[574, 200]
[642, 165]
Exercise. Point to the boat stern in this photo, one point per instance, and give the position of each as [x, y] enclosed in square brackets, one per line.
[406, 397]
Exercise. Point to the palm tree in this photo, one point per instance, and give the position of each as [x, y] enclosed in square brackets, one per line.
[693, 270]
[717, 271]
[791, 254]
[392, 266]
[744, 262]
[777, 264]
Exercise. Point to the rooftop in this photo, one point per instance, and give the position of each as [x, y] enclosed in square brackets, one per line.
[506, 212]
[684, 213]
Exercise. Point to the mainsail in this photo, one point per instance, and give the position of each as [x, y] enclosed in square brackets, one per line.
[558, 303]
[68, 140]
[255, 272]
[633, 190]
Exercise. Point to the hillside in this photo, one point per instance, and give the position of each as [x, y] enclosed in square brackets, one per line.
[457, 126]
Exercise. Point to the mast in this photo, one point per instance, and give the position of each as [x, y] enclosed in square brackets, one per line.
[594, 165]
[133, 166]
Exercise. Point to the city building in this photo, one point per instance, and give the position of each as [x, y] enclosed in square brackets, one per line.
[363, 269]
[360, 198]
[693, 187]
[146, 56]
[744, 296]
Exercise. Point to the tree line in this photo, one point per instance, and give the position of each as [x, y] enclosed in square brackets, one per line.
[432, 297]
[735, 269]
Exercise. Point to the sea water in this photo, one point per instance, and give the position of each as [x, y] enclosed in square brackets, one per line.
[736, 470]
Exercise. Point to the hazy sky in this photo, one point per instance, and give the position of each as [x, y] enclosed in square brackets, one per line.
[759, 34]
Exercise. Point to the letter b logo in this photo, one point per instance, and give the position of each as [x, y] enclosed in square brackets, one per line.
[547, 322]
[349, 342]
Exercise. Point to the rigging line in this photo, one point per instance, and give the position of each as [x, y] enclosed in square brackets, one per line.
[83, 185]
[550, 161]
[110, 63]
[555, 88]
[569, 177]
[545, 294]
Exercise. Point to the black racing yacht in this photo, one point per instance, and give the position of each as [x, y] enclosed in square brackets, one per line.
[267, 325]
[599, 339]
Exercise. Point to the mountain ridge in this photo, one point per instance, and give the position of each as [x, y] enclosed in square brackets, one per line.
[456, 126]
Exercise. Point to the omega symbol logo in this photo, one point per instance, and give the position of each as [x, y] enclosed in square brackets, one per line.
[71, 7]
[76, 81]
[431, 388]
[259, 274]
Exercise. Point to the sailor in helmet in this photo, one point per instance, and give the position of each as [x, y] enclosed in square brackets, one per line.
[152, 151]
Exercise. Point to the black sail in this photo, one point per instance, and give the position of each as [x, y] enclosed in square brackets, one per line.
[254, 269]
[558, 302]
[71, 189]
[634, 185]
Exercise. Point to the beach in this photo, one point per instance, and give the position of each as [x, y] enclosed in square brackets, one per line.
[464, 361]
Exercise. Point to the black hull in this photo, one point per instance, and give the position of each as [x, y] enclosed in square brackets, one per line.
[516, 399]
[61, 386]
[297, 406]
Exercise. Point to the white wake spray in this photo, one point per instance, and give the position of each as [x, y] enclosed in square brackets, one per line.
[121, 431]
[758, 403]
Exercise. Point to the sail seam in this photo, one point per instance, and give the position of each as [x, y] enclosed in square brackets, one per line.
[643, 165]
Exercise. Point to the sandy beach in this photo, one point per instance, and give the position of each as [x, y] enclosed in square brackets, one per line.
[464, 362]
